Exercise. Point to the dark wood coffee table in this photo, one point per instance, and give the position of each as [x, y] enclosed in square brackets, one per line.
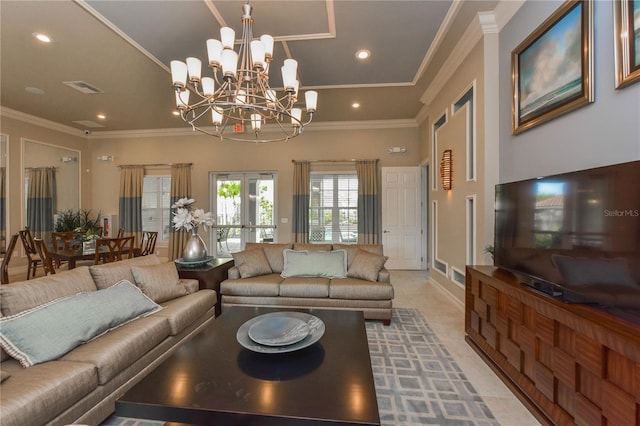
[212, 380]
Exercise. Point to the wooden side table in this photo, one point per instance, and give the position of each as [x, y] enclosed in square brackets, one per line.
[209, 275]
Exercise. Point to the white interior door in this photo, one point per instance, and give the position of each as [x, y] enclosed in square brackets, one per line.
[401, 219]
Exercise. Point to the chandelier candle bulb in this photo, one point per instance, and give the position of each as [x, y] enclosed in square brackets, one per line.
[208, 86]
[194, 65]
[216, 116]
[229, 60]
[182, 99]
[296, 117]
[311, 99]
[179, 74]
[267, 41]
[256, 122]
[257, 54]
[228, 37]
[214, 49]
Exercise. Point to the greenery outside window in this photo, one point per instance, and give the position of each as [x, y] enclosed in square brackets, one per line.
[156, 205]
[333, 208]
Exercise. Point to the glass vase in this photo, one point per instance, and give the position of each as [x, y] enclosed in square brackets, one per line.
[195, 249]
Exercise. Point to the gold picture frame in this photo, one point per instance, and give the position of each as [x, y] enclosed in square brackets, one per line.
[626, 29]
[552, 69]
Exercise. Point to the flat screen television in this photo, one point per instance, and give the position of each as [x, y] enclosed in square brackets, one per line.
[574, 236]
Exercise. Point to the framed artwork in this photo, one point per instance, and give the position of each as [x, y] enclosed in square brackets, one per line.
[626, 24]
[552, 70]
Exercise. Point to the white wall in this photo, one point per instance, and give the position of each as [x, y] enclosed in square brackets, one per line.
[602, 133]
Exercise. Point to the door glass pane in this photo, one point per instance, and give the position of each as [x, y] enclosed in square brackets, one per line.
[261, 219]
[228, 216]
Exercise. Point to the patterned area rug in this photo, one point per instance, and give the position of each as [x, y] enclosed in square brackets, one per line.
[417, 380]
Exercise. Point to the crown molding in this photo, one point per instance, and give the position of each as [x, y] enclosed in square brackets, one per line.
[41, 122]
[324, 126]
[505, 10]
[467, 42]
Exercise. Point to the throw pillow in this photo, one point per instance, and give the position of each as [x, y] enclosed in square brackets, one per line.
[251, 263]
[160, 282]
[49, 331]
[366, 266]
[329, 264]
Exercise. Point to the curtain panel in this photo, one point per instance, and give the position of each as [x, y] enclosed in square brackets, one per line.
[369, 216]
[301, 184]
[41, 198]
[130, 203]
[180, 188]
[3, 207]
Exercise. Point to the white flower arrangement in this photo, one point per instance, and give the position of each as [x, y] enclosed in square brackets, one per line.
[188, 217]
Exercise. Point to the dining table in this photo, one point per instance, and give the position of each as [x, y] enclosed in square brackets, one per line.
[72, 255]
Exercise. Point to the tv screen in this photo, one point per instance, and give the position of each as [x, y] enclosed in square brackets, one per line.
[575, 236]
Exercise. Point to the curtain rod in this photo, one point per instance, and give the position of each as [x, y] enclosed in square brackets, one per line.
[156, 165]
[352, 160]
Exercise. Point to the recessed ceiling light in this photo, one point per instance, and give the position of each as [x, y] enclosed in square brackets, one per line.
[363, 54]
[43, 37]
[34, 90]
[355, 105]
[101, 116]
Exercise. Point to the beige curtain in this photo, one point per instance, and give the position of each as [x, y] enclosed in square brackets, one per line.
[180, 188]
[368, 202]
[301, 183]
[41, 198]
[130, 209]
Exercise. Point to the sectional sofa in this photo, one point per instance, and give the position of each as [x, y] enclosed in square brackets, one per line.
[338, 276]
[132, 315]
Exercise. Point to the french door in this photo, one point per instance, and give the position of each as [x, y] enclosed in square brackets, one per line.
[244, 205]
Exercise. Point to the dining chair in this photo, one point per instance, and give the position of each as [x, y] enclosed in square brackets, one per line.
[33, 259]
[120, 233]
[115, 249]
[43, 252]
[148, 242]
[4, 268]
[63, 241]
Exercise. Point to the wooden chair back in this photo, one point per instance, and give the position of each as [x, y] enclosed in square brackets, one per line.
[4, 268]
[120, 233]
[148, 242]
[64, 241]
[116, 249]
[33, 259]
[43, 252]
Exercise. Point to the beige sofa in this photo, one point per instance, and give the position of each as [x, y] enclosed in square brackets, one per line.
[81, 385]
[268, 274]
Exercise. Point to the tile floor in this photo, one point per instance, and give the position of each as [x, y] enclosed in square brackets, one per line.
[446, 318]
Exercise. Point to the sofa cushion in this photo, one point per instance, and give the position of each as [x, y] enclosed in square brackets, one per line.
[160, 282]
[113, 352]
[4, 375]
[51, 330]
[305, 287]
[251, 263]
[263, 285]
[34, 396]
[357, 289]
[273, 252]
[184, 311]
[312, 247]
[20, 296]
[366, 266]
[330, 264]
[352, 250]
[108, 274]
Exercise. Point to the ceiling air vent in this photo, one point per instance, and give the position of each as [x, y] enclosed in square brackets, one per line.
[83, 86]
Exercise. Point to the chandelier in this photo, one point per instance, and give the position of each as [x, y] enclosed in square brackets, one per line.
[238, 95]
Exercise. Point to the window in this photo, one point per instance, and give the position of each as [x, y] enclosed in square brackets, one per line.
[333, 208]
[156, 205]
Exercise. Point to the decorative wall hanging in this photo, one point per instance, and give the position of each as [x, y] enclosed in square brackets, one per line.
[626, 27]
[552, 70]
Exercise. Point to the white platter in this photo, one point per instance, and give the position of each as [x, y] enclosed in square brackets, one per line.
[278, 330]
[315, 331]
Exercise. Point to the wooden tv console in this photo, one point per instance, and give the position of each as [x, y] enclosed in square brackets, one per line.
[568, 363]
